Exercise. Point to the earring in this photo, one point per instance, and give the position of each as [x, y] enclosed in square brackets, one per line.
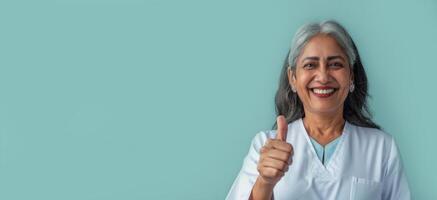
[293, 89]
[352, 87]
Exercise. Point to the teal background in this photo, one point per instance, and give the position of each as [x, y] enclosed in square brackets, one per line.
[159, 99]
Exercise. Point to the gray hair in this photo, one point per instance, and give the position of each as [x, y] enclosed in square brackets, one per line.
[355, 108]
[329, 27]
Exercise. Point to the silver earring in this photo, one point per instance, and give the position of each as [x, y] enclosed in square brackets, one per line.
[352, 87]
[293, 89]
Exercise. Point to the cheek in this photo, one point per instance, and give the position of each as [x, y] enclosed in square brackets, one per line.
[302, 80]
[344, 86]
[343, 78]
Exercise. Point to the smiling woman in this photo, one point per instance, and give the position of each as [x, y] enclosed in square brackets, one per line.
[324, 75]
[326, 145]
[310, 43]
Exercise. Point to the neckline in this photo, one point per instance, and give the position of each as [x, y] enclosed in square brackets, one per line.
[314, 141]
[324, 153]
[330, 166]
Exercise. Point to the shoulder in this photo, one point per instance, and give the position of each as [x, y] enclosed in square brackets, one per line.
[372, 141]
[370, 134]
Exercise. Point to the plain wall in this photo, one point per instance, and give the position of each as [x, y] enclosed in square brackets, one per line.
[159, 99]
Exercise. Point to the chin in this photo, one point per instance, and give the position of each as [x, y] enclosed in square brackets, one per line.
[325, 109]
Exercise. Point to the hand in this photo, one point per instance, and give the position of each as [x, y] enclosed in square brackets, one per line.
[275, 155]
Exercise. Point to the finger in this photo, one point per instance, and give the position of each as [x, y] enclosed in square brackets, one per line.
[279, 155]
[275, 164]
[270, 172]
[281, 145]
[281, 133]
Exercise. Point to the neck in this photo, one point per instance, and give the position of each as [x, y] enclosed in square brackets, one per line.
[324, 126]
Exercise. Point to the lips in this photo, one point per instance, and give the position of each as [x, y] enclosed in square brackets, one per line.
[323, 91]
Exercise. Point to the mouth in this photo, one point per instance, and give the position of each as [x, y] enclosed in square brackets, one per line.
[323, 92]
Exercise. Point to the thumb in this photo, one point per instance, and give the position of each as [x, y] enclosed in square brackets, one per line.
[281, 133]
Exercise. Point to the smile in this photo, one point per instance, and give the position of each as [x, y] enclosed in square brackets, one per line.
[323, 93]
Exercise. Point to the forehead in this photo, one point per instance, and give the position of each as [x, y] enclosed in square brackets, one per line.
[322, 46]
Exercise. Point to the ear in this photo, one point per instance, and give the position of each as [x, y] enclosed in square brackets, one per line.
[291, 77]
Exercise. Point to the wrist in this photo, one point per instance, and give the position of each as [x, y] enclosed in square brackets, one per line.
[264, 183]
[262, 190]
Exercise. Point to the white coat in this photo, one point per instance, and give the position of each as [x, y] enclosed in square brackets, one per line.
[366, 164]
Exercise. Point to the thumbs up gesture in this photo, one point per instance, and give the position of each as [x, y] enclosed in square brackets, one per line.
[275, 155]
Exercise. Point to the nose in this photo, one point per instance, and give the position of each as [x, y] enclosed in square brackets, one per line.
[322, 75]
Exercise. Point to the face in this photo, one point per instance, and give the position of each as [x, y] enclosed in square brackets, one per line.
[322, 76]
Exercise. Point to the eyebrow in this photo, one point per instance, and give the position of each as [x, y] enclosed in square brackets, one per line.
[335, 57]
[329, 58]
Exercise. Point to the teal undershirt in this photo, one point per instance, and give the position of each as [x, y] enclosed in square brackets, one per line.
[325, 153]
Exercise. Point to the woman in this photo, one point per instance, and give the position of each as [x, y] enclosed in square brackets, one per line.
[326, 146]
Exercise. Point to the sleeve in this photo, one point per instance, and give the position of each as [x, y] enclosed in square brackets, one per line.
[395, 181]
[243, 184]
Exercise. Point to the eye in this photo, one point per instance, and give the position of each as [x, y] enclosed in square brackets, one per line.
[336, 65]
[309, 66]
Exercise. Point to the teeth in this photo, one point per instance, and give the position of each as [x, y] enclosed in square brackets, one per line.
[321, 91]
